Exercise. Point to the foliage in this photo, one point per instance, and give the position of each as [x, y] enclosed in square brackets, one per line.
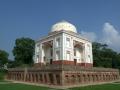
[2, 74]
[104, 56]
[12, 64]
[3, 57]
[23, 51]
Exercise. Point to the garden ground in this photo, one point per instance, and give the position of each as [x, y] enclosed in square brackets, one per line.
[18, 86]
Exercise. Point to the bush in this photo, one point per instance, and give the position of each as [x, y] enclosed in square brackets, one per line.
[2, 74]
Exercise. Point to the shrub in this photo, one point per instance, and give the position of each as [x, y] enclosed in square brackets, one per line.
[2, 74]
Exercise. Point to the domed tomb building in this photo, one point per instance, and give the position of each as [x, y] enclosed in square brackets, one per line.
[63, 45]
[63, 59]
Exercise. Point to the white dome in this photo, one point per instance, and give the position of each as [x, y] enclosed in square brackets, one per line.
[63, 25]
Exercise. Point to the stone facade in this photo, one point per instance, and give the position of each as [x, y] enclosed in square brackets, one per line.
[63, 75]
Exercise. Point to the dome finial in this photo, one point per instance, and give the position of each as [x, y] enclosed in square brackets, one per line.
[63, 20]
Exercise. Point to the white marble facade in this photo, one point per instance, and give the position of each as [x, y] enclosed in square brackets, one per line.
[63, 43]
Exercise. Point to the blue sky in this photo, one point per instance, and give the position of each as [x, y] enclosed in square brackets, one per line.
[98, 20]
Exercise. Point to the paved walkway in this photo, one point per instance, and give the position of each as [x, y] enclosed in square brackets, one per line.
[5, 82]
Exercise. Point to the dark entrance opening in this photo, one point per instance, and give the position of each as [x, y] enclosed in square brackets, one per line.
[75, 61]
[51, 78]
[58, 79]
[51, 61]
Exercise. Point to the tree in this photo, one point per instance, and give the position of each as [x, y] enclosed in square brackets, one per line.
[104, 56]
[116, 61]
[24, 51]
[3, 57]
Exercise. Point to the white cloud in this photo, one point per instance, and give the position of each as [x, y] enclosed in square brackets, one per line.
[89, 35]
[111, 36]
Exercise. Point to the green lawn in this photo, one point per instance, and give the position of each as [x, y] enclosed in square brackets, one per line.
[15, 86]
[99, 87]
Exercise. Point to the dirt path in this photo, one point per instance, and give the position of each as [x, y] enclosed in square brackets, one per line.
[5, 82]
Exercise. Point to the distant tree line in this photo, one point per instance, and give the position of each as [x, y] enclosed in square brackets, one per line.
[103, 56]
[23, 52]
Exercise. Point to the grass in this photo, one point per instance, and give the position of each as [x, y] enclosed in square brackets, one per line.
[99, 87]
[16, 86]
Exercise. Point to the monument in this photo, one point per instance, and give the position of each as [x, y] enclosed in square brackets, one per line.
[63, 58]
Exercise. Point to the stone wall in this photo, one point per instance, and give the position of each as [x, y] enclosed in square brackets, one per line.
[64, 75]
[35, 76]
[86, 77]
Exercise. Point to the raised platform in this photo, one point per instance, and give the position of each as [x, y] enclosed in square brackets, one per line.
[63, 75]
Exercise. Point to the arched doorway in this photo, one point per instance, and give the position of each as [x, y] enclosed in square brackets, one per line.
[78, 52]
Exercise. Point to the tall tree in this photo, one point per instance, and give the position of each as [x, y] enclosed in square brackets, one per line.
[104, 56]
[23, 51]
[3, 57]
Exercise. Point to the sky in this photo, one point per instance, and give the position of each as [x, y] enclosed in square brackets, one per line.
[98, 20]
